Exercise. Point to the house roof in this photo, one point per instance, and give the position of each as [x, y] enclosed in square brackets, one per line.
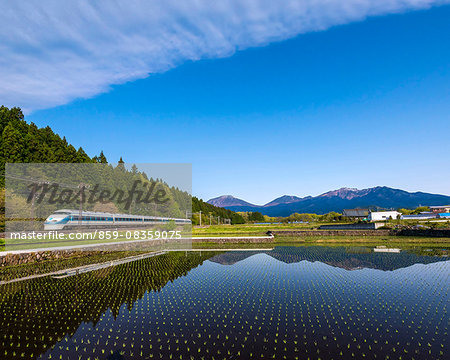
[355, 212]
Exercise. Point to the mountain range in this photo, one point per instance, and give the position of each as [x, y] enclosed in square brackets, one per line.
[336, 200]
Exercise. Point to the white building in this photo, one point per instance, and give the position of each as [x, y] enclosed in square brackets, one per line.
[383, 215]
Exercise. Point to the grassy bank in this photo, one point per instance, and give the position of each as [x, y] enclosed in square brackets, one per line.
[249, 229]
[367, 244]
[392, 241]
[360, 239]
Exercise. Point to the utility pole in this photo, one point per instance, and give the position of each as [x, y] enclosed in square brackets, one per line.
[200, 218]
[218, 220]
[210, 219]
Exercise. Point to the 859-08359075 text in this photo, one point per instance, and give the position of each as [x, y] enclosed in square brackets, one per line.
[99, 235]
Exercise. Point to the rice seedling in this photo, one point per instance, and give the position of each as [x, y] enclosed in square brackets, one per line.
[309, 302]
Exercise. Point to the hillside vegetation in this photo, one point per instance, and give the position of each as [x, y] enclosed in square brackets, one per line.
[23, 142]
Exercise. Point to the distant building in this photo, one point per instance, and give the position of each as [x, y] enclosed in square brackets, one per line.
[444, 216]
[355, 213]
[440, 209]
[421, 216]
[383, 215]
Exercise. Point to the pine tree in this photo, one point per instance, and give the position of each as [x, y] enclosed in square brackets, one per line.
[103, 158]
[13, 145]
[121, 164]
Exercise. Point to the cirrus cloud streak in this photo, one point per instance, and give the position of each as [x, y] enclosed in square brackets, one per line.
[56, 51]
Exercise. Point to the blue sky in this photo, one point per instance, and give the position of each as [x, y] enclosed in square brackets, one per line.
[301, 112]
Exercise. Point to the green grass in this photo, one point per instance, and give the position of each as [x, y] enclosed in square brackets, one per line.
[370, 244]
[250, 229]
[260, 230]
[380, 240]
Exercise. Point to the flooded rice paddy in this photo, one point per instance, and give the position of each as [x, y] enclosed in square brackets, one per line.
[286, 303]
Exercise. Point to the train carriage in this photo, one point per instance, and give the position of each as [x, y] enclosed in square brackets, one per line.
[70, 219]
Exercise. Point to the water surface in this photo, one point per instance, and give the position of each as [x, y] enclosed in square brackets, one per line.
[291, 302]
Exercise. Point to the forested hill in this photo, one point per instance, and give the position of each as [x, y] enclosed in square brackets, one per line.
[22, 142]
[213, 211]
[26, 143]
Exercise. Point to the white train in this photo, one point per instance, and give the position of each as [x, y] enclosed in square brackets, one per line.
[65, 219]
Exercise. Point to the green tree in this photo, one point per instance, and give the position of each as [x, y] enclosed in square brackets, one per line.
[101, 158]
[255, 216]
[13, 145]
[82, 157]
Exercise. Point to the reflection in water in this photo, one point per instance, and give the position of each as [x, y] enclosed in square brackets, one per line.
[270, 305]
[349, 258]
[37, 314]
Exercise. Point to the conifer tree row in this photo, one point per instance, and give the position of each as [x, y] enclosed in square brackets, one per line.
[26, 143]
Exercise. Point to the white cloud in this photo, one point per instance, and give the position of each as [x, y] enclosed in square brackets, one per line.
[55, 51]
